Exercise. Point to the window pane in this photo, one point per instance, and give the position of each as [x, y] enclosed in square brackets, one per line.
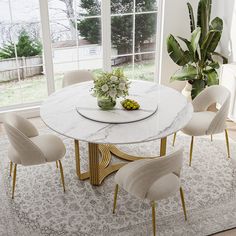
[144, 67]
[124, 63]
[71, 9]
[61, 9]
[63, 42]
[34, 84]
[121, 6]
[10, 92]
[122, 34]
[145, 32]
[61, 30]
[89, 29]
[89, 8]
[25, 11]
[30, 88]
[146, 5]
[84, 51]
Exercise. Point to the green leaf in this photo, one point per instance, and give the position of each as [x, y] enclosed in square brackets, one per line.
[212, 77]
[191, 17]
[187, 72]
[188, 43]
[217, 24]
[210, 43]
[197, 86]
[194, 57]
[204, 11]
[195, 39]
[214, 65]
[176, 53]
[225, 59]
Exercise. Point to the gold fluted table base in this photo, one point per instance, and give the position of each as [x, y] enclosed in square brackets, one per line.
[100, 168]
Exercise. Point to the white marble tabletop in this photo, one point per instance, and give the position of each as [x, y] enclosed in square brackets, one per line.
[60, 114]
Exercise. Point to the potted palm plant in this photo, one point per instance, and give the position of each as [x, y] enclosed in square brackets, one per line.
[198, 62]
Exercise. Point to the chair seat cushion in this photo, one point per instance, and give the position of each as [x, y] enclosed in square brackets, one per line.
[164, 187]
[51, 146]
[199, 123]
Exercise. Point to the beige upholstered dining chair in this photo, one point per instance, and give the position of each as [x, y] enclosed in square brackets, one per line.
[76, 76]
[206, 122]
[152, 179]
[28, 148]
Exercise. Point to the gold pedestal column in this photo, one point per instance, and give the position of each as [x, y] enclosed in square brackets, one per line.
[94, 163]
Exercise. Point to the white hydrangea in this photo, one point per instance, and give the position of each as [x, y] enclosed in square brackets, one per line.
[113, 93]
[114, 78]
[122, 86]
[105, 88]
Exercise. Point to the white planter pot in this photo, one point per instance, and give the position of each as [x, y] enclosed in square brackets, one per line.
[187, 91]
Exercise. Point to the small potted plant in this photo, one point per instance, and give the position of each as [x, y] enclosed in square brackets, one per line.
[109, 86]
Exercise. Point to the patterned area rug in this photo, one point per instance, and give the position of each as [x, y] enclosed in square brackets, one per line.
[41, 208]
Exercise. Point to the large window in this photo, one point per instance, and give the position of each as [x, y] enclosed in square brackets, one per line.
[77, 34]
[21, 66]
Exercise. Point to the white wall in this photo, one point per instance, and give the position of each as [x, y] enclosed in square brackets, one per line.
[227, 11]
[176, 22]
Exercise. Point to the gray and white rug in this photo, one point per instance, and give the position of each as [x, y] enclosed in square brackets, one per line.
[41, 208]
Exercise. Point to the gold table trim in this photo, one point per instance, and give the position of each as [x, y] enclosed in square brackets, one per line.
[98, 171]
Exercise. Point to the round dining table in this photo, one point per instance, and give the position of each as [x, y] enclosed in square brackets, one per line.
[60, 113]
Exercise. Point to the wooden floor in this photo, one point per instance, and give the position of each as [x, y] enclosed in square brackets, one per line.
[232, 133]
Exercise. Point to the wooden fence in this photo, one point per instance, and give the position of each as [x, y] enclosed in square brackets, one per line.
[27, 67]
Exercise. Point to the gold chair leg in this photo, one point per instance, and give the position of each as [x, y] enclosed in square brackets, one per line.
[56, 164]
[191, 151]
[62, 175]
[14, 181]
[115, 198]
[163, 146]
[211, 137]
[227, 142]
[183, 202]
[174, 138]
[11, 164]
[153, 217]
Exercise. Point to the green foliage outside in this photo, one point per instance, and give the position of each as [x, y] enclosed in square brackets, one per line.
[199, 66]
[121, 26]
[25, 47]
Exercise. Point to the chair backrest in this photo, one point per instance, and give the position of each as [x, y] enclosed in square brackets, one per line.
[214, 94]
[28, 152]
[144, 173]
[76, 76]
[22, 124]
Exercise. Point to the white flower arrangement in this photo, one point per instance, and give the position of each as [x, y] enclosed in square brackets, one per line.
[111, 85]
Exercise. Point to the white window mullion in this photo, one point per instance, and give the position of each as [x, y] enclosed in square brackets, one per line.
[76, 17]
[47, 45]
[159, 41]
[106, 34]
[15, 50]
[133, 46]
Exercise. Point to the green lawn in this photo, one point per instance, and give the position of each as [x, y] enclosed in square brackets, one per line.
[34, 89]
